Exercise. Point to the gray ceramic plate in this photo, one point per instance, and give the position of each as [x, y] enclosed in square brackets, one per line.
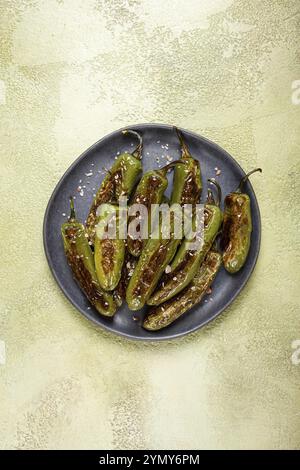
[155, 136]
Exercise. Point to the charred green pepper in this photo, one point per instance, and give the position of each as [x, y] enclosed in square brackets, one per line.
[166, 313]
[150, 190]
[237, 227]
[81, 261]
[128, 267]
[187, 260]
[119, 181]
[109, 249]
[153, 260]
[157, 253]
[187, 183]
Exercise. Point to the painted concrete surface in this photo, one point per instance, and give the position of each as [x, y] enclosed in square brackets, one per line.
[72, 71]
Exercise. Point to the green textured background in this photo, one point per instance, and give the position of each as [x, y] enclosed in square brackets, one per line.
[72, 71]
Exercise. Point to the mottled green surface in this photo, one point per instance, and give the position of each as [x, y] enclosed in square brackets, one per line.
[71, 71]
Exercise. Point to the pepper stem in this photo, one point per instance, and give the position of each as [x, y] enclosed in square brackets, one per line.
[170, 165]
[215, 182]
[245, 178]
[210, 198]
[72, 209]
[184, 148]
[137, 153]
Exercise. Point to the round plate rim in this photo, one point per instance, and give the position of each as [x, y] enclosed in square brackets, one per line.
[166, 337]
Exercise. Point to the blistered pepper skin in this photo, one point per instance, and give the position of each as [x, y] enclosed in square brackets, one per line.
[109, 252]
[186, 262]
[237, 228]
[81, 260]
[154, 258]
[187, 182]
[158, 253]
[119, 181]
[165, 314]
[128, 267]
[149, 191]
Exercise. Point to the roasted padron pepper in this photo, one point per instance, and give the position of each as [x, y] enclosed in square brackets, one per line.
[187, 183]
[109, 247]
[237, 227]
[150, 190]
[158, 253]
[128, 267]
[165, 314]
[151, 264]
[187, 260]
[119, 181]
[81, 260]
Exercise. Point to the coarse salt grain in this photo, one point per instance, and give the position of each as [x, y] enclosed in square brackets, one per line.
[168, 269]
